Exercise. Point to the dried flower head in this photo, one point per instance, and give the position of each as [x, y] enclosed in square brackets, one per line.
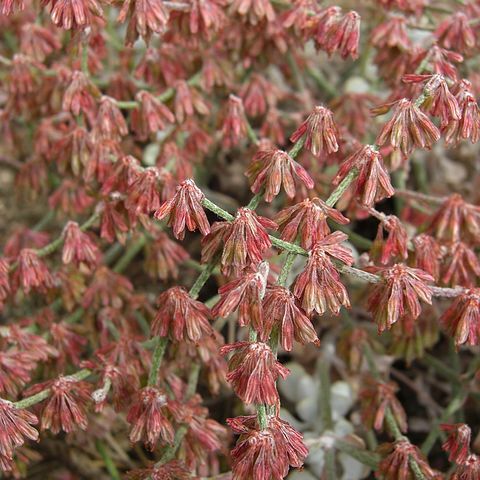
[253, 371]
[398, 295]
[320, 131]
[270, 169]
[457, 444]
[78, 247]
[185, 210]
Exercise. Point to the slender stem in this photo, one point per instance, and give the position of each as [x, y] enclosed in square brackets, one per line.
[157, 358]
[107, 460]
[202, 279]
[342, 187]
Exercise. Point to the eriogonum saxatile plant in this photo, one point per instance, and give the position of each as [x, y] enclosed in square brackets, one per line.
[195, 194]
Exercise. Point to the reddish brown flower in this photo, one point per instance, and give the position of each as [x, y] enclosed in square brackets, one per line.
[110, 124]
[462, 318]
[391, 33]
[282, 312]
[457, 444]
[148, 417]
[455, 33]
[188, 101]
[373, 181]
[172, 470]
[253, 371]
[145, 17]
[7, 7]
[38, 42]
[397, 464]
[427, 254]
[245, 294]
[80, 96]
[246, 240]
[185, 210]
[213, 242]
[468, 127]
[163, 257]
[456, 220]
[254, 10]
[235, 125]
[398, 295]
[460, 265]
[143, 195]
[319, 287]
[78, 247]
[378, 397]
[180, 316]
[32, 273]
[64, 408]
[395, 246]
[470, 470]
[151, 116]
[265, 454]
[344, 36]
[307, 219]
[73, 14]
[321, 132]
[270, 169]
[15, 370]
[16, 426]
[408, 128]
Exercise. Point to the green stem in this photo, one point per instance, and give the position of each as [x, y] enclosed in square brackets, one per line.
[341, 188]
[157, 358]
[202, 279]
[109, 464]
[131, 252]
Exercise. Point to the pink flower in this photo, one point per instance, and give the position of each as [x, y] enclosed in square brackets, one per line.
[234, 127]
[318, 286]
[80, 95]
[427, 254]
[470, 470]
[65, 406]
[396, 243]
[455, 33]
[408, 128]
[110, 124]
[462, 318]
[253, 371]
[282, 312]
[188, 101]
[344, 36]
[265, 454]
[73, 14]
[143, 193]
[180, 316]
[185, 210]
[272, 168]
[321, 132]
[16, 425]
[307, 219]
[245, 294]
[4, 281]
[151, 116]
[398, 295]
[457, 444]
[148, 417]
[373, 181]
[78, 247]
[32, 273]
[391, 33]
[460, 265]
[246, 240]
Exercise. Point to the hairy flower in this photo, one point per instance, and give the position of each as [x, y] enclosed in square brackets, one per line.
[151, 116]
[16, 425]
[427, 254]
[253, 371]
[180, 316]
[245, 294]
[457, 444]
[397, 463]
[78, 247]
[185, 210]
[395, 246]
[32, 273]
[110, 124]
[344, 36]
[460, 265]
[469, 470]
[148, 417]
[80, 96]
[398, 295]
[462, 318]
[265, 454]
[64, 408]
[319, 287]
[320, 131]
[308, 220]
[376, 399]
[456, 220]
[145, 17]
[246, 240]
[408, 128]
[373, 181]
[282, 312]
[235, 125]
[73, 14]
[272, 168]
